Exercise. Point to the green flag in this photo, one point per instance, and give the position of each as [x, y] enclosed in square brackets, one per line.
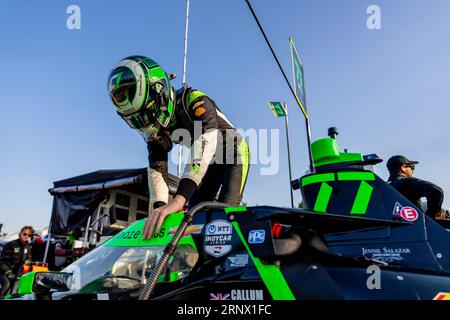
[277, 109]
[299, 79]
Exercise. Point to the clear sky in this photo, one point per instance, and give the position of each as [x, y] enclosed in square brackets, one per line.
[388, 90]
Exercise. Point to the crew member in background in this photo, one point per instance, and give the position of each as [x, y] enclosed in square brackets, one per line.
[14, 254]
[401, 171]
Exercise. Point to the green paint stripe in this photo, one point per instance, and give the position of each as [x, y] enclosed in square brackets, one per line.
[270, 274]
[316, 178]
[194, 95]
[245, 155]
[26, 283]
[157, 74]
[362, 198]
[356, 176]
[132, 236]
[118, 79]
[235, 209]
[323, 198]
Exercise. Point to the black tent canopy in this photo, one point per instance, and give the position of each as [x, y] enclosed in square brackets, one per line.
[76, 199]
[104, 179]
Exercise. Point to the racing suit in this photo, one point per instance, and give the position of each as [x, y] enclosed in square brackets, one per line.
[219, 154]
[13, 256]
[413, 189]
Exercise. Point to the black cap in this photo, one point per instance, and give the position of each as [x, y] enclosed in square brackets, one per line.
[396, 162]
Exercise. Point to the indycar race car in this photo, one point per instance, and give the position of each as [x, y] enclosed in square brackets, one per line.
[358, 238]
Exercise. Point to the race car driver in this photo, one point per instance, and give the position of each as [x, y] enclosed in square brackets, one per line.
[401, 171]
[143, 96]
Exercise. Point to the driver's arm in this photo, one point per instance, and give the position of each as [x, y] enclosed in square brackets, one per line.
[203, 148]
[158, 175]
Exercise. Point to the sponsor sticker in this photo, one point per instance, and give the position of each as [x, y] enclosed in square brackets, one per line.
[256, 236]
[102, 296]
[239, 294]
[239, 260]
[441, 296]
[196, 166]
[409, 214]
[386, 254]
[397, 210]
[219, 296]
[193, 229]
[217, 241]
[199, 112]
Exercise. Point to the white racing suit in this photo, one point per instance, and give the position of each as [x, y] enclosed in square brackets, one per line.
[219, 155]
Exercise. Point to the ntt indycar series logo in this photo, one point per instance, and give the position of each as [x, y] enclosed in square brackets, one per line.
[218, 238]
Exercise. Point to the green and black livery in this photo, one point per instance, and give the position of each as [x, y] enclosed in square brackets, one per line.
[323, 251]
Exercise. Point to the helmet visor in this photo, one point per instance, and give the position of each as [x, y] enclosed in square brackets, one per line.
[122, 88]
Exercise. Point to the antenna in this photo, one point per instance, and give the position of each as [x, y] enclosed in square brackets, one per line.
[180, 150]
[185, 42]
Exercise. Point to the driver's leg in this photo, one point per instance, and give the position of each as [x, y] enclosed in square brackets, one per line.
[232, 185]
[209, 187]
[229, 178]
[235, 176]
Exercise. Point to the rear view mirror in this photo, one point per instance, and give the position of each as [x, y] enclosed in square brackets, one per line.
[44, 282]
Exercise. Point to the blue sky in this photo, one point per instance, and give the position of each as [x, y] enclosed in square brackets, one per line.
[386, 90]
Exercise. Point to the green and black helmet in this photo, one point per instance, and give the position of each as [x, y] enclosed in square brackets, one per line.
[142, 93]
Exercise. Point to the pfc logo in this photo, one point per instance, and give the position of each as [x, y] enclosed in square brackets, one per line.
[256, 236]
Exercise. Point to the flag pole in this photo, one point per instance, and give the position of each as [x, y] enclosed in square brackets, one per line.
[286, 121]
